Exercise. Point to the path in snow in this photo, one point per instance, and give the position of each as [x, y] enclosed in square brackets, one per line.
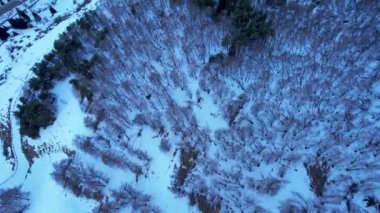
[13, 87]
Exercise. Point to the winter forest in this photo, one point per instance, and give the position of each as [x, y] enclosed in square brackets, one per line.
[210, 106]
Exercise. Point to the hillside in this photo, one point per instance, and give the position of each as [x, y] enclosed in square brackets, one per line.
[195, 106]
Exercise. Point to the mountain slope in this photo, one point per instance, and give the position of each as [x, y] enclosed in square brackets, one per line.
[169, 121]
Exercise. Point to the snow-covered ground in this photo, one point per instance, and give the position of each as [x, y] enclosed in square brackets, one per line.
[15, 70]
[46, 194]
[243, 134]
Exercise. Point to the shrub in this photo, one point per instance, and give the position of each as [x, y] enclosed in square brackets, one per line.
[165, 145]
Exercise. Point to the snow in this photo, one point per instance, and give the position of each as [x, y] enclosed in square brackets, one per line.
[6, 168]
[160, 175]
[45, 195]
[70, 119]
[21, 72]
[208, 114]
[206, 111]
[297, 181]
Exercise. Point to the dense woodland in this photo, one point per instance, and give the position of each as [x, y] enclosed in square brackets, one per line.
[295, 85]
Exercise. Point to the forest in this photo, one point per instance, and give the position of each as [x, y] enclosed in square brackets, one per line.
[244, 98]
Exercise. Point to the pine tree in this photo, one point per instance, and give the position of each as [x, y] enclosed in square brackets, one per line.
[3, 33]
[36, 16]
[52, 10]
[34, 115]
[23, 15]
[18, 23]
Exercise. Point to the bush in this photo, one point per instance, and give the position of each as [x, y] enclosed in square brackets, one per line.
[165, 145]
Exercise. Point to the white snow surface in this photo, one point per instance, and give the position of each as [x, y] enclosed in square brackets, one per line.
[46, 194]
[15, 67]
[227, 163]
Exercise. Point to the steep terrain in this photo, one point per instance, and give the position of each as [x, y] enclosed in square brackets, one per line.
[153, 112]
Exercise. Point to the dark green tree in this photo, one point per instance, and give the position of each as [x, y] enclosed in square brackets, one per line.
[250, 25]
[34, 115]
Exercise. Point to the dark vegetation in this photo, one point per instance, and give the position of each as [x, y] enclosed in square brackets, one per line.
[97, 147]
[23, 21]
[256, 132]
[4, 35]
[6, 136]
[13, 200]
[34, 114]
[269, 186]
[52, 10]
[36, 17]
[18, 23]
[203, 204]
[30, 152]
[84, 91]
[249, 24]
[82, 180]
[37, 107]
[217, 58]
[126, 196]
[23, 15]
[205, 3]
[188, 162]
[372, 201]
[318, 177]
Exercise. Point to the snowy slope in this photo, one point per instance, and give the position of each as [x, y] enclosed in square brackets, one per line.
[15, 71]
[289, 126]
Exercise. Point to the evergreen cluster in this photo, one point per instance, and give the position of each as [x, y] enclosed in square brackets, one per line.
[250, 26]
[37, 107]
